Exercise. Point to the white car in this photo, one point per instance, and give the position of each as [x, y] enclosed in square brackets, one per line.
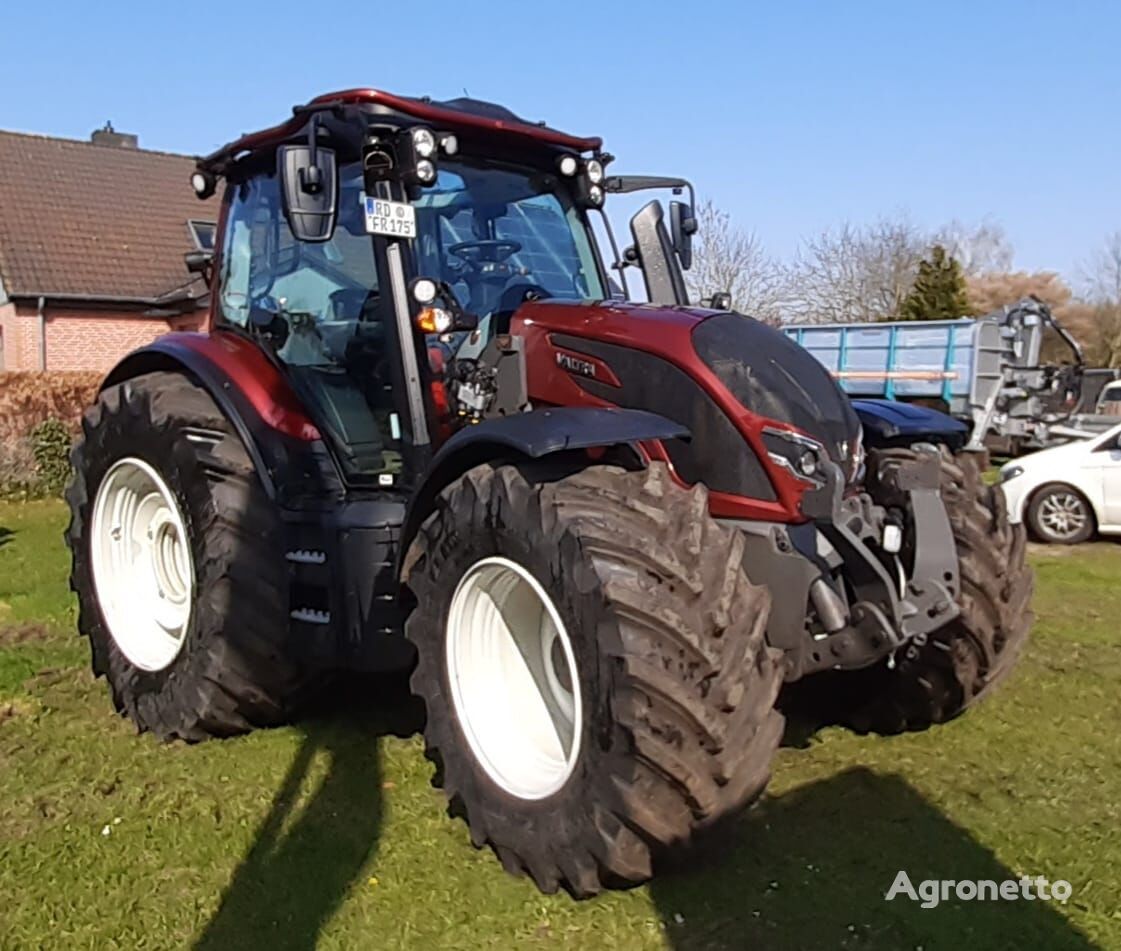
[1066, 493]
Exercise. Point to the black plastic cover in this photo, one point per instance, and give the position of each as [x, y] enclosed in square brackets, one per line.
[717, 455]
[773, 377]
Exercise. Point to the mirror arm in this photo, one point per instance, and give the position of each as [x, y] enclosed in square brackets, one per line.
[619, 264]
[311, 178]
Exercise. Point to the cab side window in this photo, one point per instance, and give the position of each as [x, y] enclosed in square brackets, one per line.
[320, 291]
[316, 307]
[252, 230]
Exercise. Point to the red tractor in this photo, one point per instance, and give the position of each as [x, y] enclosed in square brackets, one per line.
[421, 430]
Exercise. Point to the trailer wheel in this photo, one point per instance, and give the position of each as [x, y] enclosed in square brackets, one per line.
[176, 563]
[593, 664]
[961, 662]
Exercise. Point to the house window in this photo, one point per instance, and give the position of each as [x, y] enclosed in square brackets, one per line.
[202, 233]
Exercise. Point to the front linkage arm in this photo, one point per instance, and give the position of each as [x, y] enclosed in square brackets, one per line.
[889, 609]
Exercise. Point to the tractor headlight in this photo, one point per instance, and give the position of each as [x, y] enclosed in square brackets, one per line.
[594, 170]
[424, 143]
[567, 165]
[856, 460]
[417, 155]
[798, 454]
[450, 144]
[203, 183]
[595, 195]
[425, 290]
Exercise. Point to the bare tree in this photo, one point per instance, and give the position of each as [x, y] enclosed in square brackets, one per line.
[726, 258]
[1102, 276]
[979, 249]
[850, 273]
[1102, 317]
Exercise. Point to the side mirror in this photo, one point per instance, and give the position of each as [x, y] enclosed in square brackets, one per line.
[310, 183]
[656, 255]
[682, 227]
[200, 262]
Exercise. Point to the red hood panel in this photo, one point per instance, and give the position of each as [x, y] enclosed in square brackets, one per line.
[661, 330]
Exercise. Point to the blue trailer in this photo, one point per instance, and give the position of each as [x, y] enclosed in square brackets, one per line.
[986, 371]
[948, 361]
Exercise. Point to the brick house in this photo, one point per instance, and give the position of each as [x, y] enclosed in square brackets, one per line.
[92, 238]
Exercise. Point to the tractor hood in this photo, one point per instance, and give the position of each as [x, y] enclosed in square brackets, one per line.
[658, 355]
[773, 377]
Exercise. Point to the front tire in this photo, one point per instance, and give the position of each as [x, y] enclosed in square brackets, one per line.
[659, 718]
[1060, 515]
[177, 564]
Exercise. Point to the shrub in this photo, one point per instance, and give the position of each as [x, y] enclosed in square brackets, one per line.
[50, 444]
[33, 455]
[17, 470]
[27, 399]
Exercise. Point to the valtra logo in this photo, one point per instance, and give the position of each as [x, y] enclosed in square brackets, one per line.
[566, 361]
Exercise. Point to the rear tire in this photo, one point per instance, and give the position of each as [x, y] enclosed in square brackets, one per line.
[1060, 515]
[961, 662]
[676, 726]
[230, 673]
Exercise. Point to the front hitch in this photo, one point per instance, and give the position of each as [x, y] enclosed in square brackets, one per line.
[887, 607]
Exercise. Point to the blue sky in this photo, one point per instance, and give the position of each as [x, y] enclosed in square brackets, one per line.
[793, 116]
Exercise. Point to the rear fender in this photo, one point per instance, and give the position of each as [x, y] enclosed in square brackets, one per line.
[285, 446]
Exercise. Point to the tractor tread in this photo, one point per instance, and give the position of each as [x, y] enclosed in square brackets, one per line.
[232, 674]
[685, 703]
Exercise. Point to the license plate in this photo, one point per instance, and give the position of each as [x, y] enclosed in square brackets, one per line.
[395, 219]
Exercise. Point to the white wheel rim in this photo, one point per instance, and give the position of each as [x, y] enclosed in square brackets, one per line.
[513, 677]
[143, 572]
[1063, 514]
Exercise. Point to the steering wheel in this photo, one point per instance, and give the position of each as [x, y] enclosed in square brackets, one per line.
[488, 251]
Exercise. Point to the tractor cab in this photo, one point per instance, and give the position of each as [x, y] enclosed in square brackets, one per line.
[376, 246]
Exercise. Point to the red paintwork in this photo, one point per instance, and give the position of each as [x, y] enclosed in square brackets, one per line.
[259, 381]
[439, 393]
[665, 332]
[446, 119]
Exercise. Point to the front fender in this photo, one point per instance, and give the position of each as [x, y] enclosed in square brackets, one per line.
[545, 431]
[532, 435]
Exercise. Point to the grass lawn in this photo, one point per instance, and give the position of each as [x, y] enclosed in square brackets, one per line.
[328, 834]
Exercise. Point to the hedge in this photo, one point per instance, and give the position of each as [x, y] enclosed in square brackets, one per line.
[39, 415]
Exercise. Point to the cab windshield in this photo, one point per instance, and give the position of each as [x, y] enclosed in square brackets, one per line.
[497, 235]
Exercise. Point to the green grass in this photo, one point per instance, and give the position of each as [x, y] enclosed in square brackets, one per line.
[328, 834]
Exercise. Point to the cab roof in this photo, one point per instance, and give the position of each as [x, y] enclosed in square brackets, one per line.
[454, 115]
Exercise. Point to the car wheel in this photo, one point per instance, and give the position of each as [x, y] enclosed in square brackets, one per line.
[1061, 515]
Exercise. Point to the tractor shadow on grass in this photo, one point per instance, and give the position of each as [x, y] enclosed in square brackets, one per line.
[810, 869]
[304, 861]
[6, 535]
